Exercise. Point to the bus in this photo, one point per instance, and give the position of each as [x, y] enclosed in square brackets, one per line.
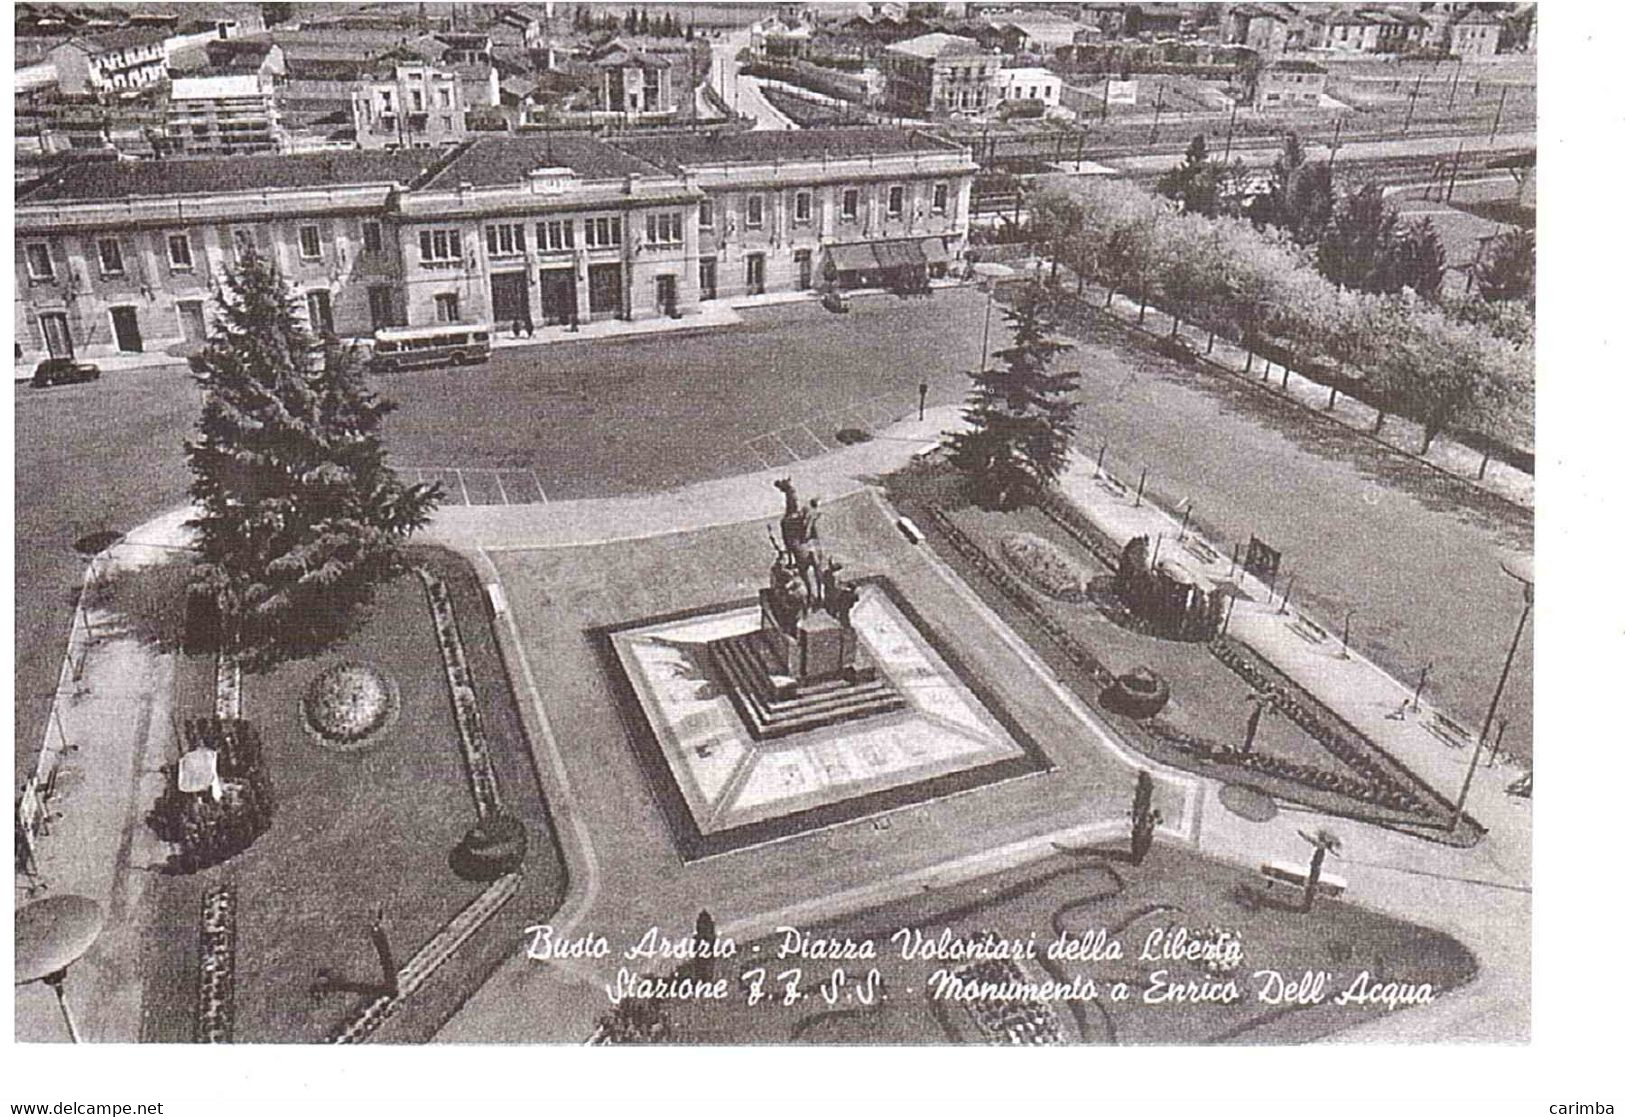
[422, 346]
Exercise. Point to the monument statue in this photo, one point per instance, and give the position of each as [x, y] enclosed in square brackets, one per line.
[804, 665]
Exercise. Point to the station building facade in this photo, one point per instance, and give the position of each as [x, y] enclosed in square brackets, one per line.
[543, 230]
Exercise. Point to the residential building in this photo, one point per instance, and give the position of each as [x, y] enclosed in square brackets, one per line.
[1476, 34]
[1290, 84]
[1036, 32]
[1030, 83]
[110, 61]
[224, 114]
[257, 55]
[409, 106]
[940, 75]
[550, 229]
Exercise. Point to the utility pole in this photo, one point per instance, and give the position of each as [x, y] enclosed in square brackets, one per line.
[1450, 190]
[1230, 133]
[1410, 110]
[1337, 142]
[1496, 127]
[1156, 120]
[1105, 98]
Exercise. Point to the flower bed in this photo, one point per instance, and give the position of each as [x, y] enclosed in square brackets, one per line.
[1042, 563]
[349, 705]
[217, 966]
[465, 704]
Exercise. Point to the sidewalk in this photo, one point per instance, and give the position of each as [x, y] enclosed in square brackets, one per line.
[706, 316]
[117, 722]
[1398, 433]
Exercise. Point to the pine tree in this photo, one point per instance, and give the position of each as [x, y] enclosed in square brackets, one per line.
[1021, 416]
[300, 516]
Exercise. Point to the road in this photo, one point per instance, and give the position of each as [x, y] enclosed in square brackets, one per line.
[742, 92]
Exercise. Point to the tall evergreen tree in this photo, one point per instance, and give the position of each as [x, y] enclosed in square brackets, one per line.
[1021, 416]
[1299, 198]
[300, 516]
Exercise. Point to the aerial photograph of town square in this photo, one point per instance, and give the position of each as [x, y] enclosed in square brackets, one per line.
[720, 524]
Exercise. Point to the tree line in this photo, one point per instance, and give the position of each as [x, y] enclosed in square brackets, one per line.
[1465, 365]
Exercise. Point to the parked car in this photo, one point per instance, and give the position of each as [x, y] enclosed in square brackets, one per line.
[63, 370]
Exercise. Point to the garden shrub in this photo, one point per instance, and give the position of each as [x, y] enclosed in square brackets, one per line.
[206, 830]
[1044, 565]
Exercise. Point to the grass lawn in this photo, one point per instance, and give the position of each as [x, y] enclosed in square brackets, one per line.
[356, 830]
[1078, 894]
[1208, 700]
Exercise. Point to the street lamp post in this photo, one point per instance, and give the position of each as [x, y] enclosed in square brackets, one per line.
[1522, 571]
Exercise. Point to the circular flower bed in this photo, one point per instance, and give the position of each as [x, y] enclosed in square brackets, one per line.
[349, 705]
[1044, 565]
[1140, 693]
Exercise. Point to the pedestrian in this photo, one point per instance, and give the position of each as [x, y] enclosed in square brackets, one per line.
[516, 329]
[530, 326]
[1399, 714]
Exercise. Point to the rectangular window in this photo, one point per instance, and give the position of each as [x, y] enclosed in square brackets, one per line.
[663, 228]
[310, 242]
[440, 244]
[417, 100]
[849, 205]
[372, 237]
[708, 216]
[939, 198]
[894, 201]
[445, 98]
[555, 236]
[803, 207]
[39, 262]
[505, 240]
[242, 243]
[603, 232]
[112, 256]
[445, 308]
[753, 212]
[180, 252]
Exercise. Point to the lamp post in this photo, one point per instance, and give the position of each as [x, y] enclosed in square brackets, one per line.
[1522, 570]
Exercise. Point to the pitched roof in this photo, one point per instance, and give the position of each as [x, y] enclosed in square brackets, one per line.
[154, 178]
[693, 149]
[506, 160]
[123, 38]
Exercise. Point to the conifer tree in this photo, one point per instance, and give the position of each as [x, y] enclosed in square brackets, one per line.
[299, 515]
[1021, 416]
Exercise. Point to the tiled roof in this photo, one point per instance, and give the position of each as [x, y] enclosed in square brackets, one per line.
[693, 149]
[506, 160]
[161, 177]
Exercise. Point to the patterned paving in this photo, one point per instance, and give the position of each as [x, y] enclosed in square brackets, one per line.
[480, 486]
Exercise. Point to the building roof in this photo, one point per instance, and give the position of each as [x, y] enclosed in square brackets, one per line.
[327, 69]
[506, 160]
[628, 58]
[937, 45]
[1478, 16]
[677, 151]
[156, 178]
[123, 38]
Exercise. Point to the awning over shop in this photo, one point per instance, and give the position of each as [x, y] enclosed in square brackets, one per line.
[899, 254]
[935, 251]
[853, 257]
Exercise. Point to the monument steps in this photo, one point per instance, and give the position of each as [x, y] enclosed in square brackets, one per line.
[742, 665]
